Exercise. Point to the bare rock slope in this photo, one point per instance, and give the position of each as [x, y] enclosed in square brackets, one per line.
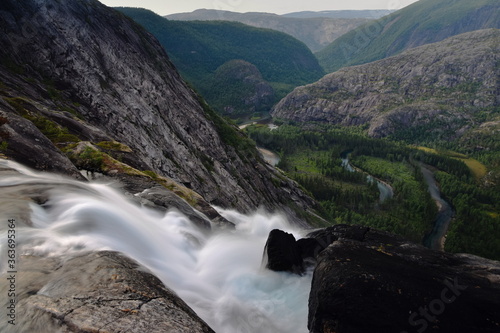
[450, 87]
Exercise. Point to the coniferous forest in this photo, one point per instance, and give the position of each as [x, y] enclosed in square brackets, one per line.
[312, 155]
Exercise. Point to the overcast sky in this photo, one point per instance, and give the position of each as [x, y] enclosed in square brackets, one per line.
[165, 7]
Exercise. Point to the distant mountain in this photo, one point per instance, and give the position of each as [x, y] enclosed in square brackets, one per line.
[442, 91]
[350, 14]
[203, 51]
[314, 31]
[423, 22]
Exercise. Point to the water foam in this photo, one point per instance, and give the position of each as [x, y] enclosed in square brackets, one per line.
[220, 275]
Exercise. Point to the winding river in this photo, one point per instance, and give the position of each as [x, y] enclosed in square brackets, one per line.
[436, 238]
[386, 191]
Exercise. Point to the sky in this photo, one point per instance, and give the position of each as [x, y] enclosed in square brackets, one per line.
[165, 7]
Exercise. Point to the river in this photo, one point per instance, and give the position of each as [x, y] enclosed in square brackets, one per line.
[386, 191]
[436, 238]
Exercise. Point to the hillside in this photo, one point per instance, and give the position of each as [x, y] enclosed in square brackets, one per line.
[101, 95]
[367, 13]
[315, 29]
[198, 49]
[423, 22]
[446, 91]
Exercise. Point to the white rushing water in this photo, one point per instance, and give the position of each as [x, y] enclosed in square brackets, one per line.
[220, 275]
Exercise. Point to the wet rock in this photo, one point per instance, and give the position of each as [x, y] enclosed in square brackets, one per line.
[283, 253]
[96, 292]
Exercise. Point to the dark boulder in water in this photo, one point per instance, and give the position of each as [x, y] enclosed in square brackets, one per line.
[283, 252]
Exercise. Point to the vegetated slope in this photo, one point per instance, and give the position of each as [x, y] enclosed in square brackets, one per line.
[81, 80]
[442, 91]
[199, 49]
[423, 22]
[316, 32]
[362, 13]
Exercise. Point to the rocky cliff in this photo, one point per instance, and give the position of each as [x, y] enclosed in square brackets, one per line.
[80, 80]
[449, 88]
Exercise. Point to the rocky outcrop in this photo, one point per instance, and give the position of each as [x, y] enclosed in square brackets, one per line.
[283, 254]
[77, 71]
[367, 280]
[96, 292]
[436, 88]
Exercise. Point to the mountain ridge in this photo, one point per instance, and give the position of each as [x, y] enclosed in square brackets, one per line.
[199, 49]
[315, 32]
[420, 23]
[449, 82]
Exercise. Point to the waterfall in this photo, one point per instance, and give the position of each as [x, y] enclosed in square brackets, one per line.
[219, 274]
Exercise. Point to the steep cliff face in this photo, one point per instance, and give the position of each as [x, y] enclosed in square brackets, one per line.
[78, 71]
[449, 87]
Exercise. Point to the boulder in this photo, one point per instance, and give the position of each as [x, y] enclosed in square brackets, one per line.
[283, 252]
[386, 284]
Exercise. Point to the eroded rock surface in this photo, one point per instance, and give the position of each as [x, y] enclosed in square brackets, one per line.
[96, 292]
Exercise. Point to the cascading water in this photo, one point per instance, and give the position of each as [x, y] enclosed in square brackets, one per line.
[220, 275]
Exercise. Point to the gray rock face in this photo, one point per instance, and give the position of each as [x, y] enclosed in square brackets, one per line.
[97, 292]
[446, 83]
[119, 84]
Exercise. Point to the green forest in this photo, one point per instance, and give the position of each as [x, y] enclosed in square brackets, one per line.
[312, 155]
[202, 51]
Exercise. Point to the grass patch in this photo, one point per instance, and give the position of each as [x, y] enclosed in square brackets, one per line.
[478, 169]
[151, 174]
[52, 130]
[114, 146]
